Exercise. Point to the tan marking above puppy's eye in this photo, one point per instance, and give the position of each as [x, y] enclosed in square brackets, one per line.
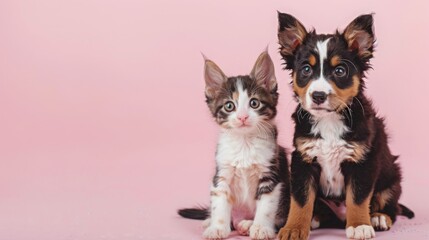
[335, 60]
[312, 60]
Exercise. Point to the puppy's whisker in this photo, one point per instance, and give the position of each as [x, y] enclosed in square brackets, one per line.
[343, 60]
[349, 111]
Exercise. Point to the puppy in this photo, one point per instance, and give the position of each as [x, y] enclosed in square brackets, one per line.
[341, 150]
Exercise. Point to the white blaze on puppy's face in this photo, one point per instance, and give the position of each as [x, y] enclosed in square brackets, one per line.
[320, 84]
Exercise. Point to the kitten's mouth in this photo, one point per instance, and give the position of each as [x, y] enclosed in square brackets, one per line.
[243, 125]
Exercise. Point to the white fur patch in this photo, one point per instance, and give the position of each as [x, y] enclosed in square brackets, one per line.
[315, 224]
[267, 207]
[243, 99]
[261, 232]
[330, 151]
[379, 222]
[322, 50]
[321, 84]
[216, 232]
[360, 232]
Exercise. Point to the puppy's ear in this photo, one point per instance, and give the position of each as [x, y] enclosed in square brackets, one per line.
[359, 35]
[291, 33]
[263, 71]
[214, 78]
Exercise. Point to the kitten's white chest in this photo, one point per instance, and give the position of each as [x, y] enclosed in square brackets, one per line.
[330, 151]
[249, 157]
[243, 152]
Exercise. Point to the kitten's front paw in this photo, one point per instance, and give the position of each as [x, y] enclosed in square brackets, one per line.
[293, 234]
[244, 226]
[261, 232]
[361, 232]
[217, 232]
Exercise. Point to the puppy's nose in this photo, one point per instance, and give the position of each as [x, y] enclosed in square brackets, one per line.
[319, 97]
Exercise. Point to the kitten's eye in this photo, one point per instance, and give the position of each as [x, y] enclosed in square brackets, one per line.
[306, 70]
[340, 71]
[229, 106]
[254, 103]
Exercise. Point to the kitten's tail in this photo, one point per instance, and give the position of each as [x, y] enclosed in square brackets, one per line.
[406, 211]
[200, 213]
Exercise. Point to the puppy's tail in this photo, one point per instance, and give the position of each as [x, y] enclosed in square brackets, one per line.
[199, 213]
[406, 211]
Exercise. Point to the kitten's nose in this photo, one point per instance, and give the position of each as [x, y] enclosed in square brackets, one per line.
[243, 118]
[319, 97]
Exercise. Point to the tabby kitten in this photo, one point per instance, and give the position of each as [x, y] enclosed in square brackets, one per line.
[251, 186]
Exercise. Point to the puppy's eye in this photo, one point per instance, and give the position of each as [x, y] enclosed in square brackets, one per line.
[306, 70]
[340, 71]
[229, 106]
[254, 103]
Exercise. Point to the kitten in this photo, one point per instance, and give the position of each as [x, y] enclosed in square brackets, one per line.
[251, 186]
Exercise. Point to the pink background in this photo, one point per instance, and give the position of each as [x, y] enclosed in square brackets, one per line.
[104, 131]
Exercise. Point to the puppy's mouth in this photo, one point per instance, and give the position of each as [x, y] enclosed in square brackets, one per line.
[322, 109]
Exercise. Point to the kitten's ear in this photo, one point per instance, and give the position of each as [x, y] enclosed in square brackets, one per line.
[359, 35]
[263, 71]
[291, 33]
[214, 77]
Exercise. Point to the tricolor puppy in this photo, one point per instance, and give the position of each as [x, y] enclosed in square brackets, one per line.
[341, 150]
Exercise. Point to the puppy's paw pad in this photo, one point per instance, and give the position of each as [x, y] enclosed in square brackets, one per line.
[361, 232]
[261, 232]
[216, 232]
[293, 234]
[381, 222]
[244, 226]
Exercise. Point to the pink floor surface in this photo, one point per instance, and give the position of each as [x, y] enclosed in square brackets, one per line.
[126, 198]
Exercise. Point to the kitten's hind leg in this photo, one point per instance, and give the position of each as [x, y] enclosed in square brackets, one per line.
[266, 209]
[243, 227]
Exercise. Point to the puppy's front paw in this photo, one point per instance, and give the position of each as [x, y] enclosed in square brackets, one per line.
[217, 232]
[361, 232]
[315, 223]
[261, 232]
[381, 222]
[293, 234]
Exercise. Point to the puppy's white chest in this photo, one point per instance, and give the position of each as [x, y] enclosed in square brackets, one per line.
[330, 155]
[330, 151]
